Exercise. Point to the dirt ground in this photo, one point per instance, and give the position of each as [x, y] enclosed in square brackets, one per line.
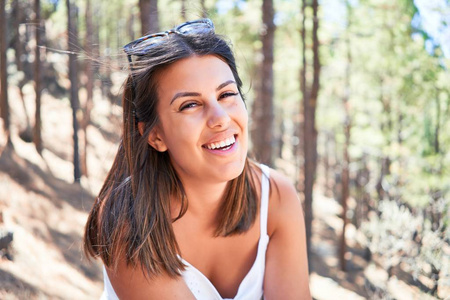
[44, 209]
[46, 213]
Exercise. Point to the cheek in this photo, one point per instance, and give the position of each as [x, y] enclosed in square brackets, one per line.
[179, 133]
[242, 114]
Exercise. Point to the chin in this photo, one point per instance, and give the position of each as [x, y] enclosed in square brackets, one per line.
[234, 170]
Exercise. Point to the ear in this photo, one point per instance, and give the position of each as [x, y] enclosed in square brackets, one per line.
[155, 139]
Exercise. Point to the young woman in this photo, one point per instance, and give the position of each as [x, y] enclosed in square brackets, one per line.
[183, 213]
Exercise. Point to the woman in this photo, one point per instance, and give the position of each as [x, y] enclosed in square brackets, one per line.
[183, 213]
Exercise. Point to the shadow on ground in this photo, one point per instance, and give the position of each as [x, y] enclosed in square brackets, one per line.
[26, 174]
[10, 285]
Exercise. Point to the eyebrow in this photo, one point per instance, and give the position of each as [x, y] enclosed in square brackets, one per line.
[225, 84]
[195, 94]
[184, 94]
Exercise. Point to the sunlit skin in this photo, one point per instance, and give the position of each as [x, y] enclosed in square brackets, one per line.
[200, 105]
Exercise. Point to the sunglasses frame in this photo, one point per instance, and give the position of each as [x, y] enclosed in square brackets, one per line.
[130, 47]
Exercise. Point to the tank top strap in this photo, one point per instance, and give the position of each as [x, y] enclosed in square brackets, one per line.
[265, 185]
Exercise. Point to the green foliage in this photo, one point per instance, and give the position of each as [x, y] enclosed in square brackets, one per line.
[399, 236]
[391, 234]
[398, 98]
[399, 107]
[48, 8]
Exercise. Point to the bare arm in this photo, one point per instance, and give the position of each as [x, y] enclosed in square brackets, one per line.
[286, 275]
[130, 283]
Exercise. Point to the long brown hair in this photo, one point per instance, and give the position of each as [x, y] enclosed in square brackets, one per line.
[131, 218]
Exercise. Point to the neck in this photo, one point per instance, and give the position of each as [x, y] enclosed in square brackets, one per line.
[204, 200]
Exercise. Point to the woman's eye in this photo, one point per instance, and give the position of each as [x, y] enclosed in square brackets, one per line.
[227, 94]
[188, 105]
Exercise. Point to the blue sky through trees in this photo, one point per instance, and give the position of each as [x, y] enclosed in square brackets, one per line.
[433, 19]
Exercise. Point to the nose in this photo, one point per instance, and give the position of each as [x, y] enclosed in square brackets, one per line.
[218, 116]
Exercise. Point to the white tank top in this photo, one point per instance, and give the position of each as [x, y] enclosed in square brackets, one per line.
[251, 287]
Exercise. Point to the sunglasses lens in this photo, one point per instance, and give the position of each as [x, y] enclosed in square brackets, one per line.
[141, 48]
[195, 28]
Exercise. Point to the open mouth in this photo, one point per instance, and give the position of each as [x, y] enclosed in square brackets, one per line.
[221, 145]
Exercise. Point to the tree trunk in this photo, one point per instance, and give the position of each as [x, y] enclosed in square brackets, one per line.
[345, 196]
[130, 27]
[347, 128]
[438, 123]
[107, 82]
[4, 74]
[305, 95]
[262, 112]
[149, 16]
[204, 11]
[328, 164]
[366, 205]
[18, 13]
[386, 129]
[359, 194]
[89, 85]
[27, 133]
[96, 37]
[72, 22]
[27, 67]
[183, 10]
[281, 139]
[310, 94]
[37, 139]
[299, 130]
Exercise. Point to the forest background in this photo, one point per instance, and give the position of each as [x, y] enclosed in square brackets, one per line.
[350, 98]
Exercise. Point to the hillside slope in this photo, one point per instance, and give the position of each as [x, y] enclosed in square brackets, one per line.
[43, 208]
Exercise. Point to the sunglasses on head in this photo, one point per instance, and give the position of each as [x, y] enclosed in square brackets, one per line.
[142, 45]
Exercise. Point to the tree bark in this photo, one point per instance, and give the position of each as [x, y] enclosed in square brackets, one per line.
[305, 94]
[130, 27]
[345, 196]
[386, 129]
[327, 164]
[183, 10]
[438, 123]
[27, 133]
[310, 94]
[4, 74]
[89, 85]
[37, 139]
[262, 112]
[72, 21]
[347, 128]
[96, 37]
[149, 16]
[204, 11]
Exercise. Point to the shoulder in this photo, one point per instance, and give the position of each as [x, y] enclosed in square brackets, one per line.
[286, 275]
[284, 204]
[130, 282]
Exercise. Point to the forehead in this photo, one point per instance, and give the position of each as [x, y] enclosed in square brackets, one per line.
[191, 73]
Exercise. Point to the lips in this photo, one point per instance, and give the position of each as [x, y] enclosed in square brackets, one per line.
[222, 144]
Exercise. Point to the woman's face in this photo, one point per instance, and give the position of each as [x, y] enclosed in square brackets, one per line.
[203, 120]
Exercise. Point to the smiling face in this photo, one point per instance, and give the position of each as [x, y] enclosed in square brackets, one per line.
[203, 120]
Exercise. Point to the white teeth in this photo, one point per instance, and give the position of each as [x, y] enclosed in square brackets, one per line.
[227, 142]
